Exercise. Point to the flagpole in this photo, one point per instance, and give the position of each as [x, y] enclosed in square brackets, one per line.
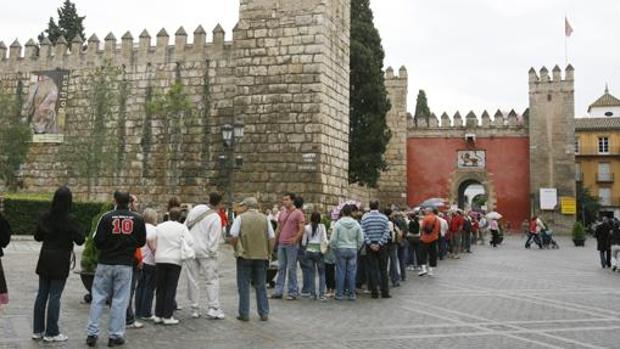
[565, 40]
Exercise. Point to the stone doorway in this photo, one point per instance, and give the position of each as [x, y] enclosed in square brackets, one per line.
[465, 186]
[472, 195]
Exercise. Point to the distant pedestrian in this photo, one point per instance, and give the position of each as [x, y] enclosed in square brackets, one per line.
[603, 245]
[443, 231]
[315, 242]
[494, 229]
[119, 233]
[5, 239]
[535, 229]
[414, 241]
[291, 226]
[376, 229]
[171, 237]
[205, 227]
[456, 232]
[347, 238]
[253, 239]
[392, 249]
[130, 318]
[147, 282]
[58, 230]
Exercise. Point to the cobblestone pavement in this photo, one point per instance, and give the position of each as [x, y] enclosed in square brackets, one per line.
[507, 297]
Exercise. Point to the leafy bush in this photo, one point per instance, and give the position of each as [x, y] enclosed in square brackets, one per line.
[90, 255]
[579, 232]
[24, 210]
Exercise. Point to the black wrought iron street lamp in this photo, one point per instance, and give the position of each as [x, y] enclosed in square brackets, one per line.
[231, 134]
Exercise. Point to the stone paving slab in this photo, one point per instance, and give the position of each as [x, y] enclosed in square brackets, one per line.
[494, 298]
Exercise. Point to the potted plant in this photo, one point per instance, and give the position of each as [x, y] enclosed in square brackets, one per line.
[579, 234]
[90, 255]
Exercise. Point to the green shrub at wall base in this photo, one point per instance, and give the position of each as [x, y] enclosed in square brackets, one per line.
[24, 211]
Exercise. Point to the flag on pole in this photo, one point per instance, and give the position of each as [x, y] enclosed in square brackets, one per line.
[568, 29]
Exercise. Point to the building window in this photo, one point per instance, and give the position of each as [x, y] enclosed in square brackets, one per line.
[577, 145]
[603, 145]
[604, 172]
[604, 196]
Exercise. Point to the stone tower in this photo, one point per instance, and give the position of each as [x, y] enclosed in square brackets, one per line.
[392, 186]
[291, 62]
[552, 139]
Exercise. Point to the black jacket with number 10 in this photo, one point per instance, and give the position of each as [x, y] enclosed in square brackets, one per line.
[119, 234]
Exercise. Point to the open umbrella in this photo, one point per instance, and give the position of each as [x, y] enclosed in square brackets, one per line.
[494, 215]
[433, 203]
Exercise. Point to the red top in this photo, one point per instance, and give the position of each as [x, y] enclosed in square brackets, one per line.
[430, 219]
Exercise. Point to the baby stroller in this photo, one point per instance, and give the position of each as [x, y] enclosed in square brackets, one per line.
[548, 241]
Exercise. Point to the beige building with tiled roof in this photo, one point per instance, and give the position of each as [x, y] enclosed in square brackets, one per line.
[597, 152]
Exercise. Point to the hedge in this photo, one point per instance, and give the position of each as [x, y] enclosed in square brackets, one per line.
[23, 211]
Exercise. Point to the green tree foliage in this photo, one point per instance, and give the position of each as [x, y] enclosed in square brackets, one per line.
[588, 206]
[89, 150]
[15, 137]
[70, 24]
[369, 133]
[421, 108]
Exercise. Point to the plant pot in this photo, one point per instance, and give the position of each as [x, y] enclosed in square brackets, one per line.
[87, 280]
[579, 242]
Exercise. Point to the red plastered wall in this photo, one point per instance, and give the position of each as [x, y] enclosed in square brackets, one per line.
[432, 161]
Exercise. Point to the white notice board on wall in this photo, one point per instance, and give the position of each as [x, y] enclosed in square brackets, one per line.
[548, 198]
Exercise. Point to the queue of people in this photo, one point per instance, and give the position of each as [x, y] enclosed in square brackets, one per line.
[141, 259]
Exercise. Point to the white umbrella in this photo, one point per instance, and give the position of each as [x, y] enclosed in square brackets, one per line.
[494, 215]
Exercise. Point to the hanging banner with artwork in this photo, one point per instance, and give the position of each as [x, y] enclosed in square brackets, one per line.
[45, 108]
[471, 159]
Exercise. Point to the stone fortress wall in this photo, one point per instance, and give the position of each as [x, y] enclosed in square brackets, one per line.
[285, 74]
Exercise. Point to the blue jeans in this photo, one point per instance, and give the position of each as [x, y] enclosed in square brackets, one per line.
[316, 263]
[48, 290]
[252, 271]
[403, 256]
[111, 282]
[304, 265]
[145, 291]
[394, 263]
[287, 263]
[346, 268]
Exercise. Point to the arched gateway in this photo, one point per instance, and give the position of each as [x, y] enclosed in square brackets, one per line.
[511, 156]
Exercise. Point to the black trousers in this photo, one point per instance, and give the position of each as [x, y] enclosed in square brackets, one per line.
[167, 282]
[429, 253]
[377, 264]
[330, 276]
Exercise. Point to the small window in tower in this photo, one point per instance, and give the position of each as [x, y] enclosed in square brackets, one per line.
[549, 97]
[608, 114]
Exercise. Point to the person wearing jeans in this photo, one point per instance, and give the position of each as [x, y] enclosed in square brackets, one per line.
[146, 284]
[58, 231]
[347, 238]
[315, 236]
[291, 227]
[119, 233]
[252, 237]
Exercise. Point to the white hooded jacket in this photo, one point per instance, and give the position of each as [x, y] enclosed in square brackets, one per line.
[207, 233]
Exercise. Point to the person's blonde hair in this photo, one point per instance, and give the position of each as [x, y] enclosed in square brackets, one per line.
[150, 216]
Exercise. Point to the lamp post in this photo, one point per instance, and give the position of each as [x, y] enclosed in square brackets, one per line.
[231, 134]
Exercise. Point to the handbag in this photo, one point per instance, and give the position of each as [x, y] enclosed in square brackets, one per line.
[324, 243]
[187, 252]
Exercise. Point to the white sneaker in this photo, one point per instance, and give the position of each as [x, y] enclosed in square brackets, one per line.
[37, 336]
[157, 320]
[135, 325]
[195, 314]
[216, 314]
[423, 271]
[59, 338]
[430, 271]
[171, 321]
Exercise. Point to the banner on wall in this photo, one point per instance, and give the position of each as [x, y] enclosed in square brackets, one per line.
[45, 108]
[548, 198]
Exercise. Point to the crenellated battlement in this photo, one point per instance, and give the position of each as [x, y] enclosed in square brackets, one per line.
[128, 51]
[402, 74]
[542, 80]
[501, 120]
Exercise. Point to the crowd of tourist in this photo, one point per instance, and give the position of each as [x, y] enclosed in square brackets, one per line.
[141, 258]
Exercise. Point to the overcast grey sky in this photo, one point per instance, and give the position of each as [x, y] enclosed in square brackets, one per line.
[467, 55]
